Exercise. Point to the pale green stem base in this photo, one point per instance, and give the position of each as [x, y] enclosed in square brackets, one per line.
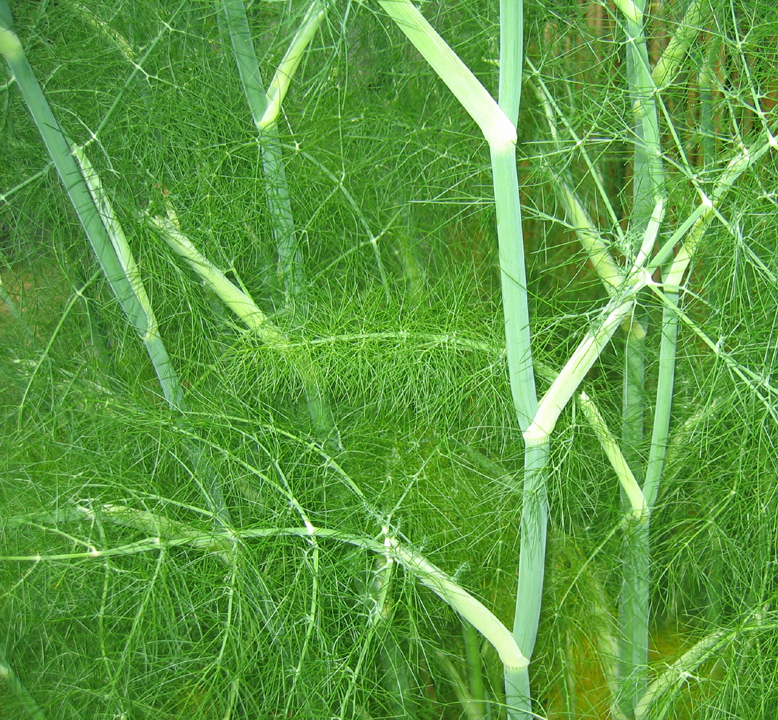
[529, 594]
[634, 616]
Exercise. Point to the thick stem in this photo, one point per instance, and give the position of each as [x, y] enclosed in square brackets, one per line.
[534, 514]
[634, 614]
[529, 594]
[664, 400]
[648, 189]
[514, 284]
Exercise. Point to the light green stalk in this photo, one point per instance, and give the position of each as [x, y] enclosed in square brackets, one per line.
[664, 396]
[108, 241]
[648, 191]
[637, 501]
[610, 272]
[704, 83]
[678, 674]
[495, 125]
[648, 174]
[553, 112]
[472, 708]
[673, 275]
[668, 65]
[60, 151]
[534, 509]
[168, 379]
[393, 663]
[636, 522]
[647, 183]
[715, 564]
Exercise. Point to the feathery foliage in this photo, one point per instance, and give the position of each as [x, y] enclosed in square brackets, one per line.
[365, 563]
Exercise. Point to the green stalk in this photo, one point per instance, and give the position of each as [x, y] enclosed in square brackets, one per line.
[638, 507]
[472, 709]
[534, 508]
[704, 84]
[664, 397]
[633, 612]
[393, 663]
[636, 526]
[60, 147]
[672, 277]
[108, 241]
[648, 174]
[678, 674]
[648, 192]
[610, 272]
[475, 675]
[514, 283]
[668, 66]
[166, 374]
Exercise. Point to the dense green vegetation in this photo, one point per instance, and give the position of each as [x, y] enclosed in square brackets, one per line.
[282, 451]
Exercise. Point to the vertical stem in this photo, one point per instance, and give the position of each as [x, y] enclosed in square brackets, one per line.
[393, 663]
[474, 672]
[570, 672]
[648, 174]
[284, 232]
[706, 105]
[276, 186]
[534, 512]
[511, 57]
[633, 407]
[529, 594]
[648, 188]
[634, 613]
[633, 402]
[664, 399]
[534, 495]
[514, 283]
